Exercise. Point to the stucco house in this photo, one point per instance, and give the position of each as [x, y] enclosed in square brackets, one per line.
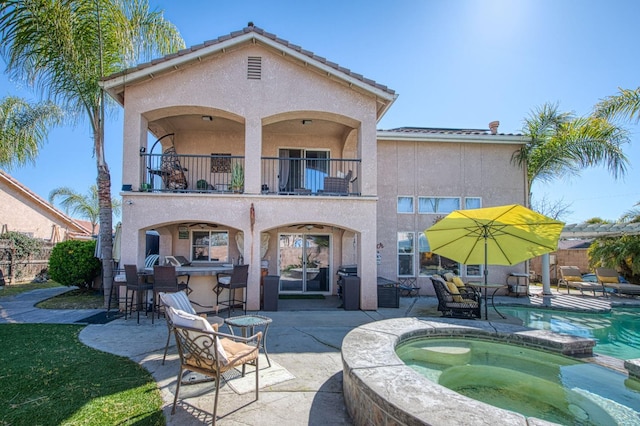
[248, 147]
[22, 210]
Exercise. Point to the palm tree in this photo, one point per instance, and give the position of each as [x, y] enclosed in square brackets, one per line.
[65, 47]
[23, 129]
[625, 105]
[86, 206]
[561, 144]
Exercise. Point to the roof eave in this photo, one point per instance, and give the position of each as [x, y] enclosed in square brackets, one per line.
[444, 137]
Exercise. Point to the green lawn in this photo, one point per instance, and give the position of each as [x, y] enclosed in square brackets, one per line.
[47, 377]
[13, 289]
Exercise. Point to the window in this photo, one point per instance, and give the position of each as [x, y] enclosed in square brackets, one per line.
[405, 204]
[438, 204]
[405, 254]
[472, 202]
[431, 263]
[210, 246]
[474, 270]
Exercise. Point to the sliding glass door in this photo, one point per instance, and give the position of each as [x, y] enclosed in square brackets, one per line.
[304, 263]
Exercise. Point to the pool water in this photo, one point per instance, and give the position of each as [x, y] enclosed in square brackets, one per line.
[531, 382]
[617, 332]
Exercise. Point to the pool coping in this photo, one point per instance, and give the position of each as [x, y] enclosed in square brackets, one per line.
[379, 389]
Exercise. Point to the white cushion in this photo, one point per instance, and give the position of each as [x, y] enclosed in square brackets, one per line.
[225, 280]
[185, 319]
[178, 300]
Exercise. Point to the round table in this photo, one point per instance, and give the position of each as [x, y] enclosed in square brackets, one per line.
[247, 324]
[486, 288]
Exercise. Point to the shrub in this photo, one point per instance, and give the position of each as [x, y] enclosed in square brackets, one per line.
[23, 245]
[73, 263]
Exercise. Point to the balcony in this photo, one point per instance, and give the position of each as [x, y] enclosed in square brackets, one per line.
[170, 172]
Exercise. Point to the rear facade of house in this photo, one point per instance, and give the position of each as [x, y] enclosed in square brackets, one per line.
[250, 149]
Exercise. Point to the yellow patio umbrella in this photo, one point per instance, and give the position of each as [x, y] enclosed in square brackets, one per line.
[503, 235]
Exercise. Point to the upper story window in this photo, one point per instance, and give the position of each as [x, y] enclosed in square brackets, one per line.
[438, 204]
[472, 202]
[405, 205]
[210, 246]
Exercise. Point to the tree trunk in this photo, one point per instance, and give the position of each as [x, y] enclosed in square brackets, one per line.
[104, 201]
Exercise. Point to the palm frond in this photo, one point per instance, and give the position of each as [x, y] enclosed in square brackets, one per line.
[625, 105]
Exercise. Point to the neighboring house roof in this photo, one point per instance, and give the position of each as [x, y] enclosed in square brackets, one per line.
[596, 230]
[574, 244]
[452, 135]
[75, 229]
[115, 83]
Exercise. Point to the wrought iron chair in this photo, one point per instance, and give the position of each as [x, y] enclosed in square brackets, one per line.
[455, 303]
[206, 351]
[181, 302]
[237, 280]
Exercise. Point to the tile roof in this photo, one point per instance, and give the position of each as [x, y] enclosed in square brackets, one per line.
[443, 131]
[253, 29]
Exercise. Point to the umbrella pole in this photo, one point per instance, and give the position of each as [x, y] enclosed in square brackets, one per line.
[486, 273]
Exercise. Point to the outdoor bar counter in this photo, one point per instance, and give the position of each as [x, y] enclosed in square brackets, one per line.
[201, 282]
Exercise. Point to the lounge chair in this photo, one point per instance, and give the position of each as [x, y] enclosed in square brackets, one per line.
[609, 279]
[454, 302]
[572, 278]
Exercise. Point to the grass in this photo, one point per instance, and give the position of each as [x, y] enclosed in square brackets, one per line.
[74, 299]
[47, 377]
[14, 289]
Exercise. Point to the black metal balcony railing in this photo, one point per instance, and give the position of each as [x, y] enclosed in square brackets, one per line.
[225, 173]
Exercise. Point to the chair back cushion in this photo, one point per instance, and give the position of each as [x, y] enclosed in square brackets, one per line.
[607, 275]
[458, 281]
[571, 273]
[185, 319]
[178, 301]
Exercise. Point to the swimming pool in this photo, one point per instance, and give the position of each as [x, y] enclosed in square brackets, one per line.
[617, 332]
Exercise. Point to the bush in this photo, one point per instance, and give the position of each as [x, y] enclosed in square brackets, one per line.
[73, 263]
[23, 245]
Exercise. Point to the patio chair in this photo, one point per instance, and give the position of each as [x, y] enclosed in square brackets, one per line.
[571, 277]
[205, 351]
[165, 280]
[181, 302]
[609, 279]
[237, 280]
[137, 285]
[337, 185]
[408, 287]
[453, 303]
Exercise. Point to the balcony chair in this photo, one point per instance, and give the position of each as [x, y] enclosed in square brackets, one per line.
[337, 185]
[454, 302]
[237, 280]
[181, 302]
[137, 285]
[571, 277]
[610, 279]
[205, 351]
[165, 280]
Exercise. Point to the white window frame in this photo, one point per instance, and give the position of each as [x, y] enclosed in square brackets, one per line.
[472, 198]
[437, 211]
[411, 255]
[193, 245]
[413, 204]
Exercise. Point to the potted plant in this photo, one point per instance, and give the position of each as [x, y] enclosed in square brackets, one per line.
[237, 177]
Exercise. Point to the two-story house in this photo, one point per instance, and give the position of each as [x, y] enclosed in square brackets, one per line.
[251, 148]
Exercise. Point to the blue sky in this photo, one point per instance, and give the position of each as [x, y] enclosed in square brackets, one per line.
[453, 63]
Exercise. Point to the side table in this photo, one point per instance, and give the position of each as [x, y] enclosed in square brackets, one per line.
[247, 325]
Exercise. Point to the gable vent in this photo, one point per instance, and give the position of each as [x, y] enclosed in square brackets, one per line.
[254, 68]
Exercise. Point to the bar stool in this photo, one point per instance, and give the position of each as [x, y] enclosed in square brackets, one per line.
[138, 287]
[165, 280]
[237, 280]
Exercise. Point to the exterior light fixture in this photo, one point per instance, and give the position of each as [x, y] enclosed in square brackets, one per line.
[304, 122]
[207, 118]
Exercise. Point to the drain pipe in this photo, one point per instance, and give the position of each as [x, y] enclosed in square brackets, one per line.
[546, 281]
